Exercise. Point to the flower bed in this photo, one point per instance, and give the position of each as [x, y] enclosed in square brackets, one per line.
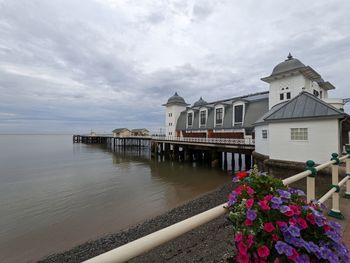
[274, 223]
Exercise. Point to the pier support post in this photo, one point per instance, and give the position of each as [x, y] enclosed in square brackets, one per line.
[233, 162]
[347, 191]
[240, 161]
[225, 160]
[248, 163]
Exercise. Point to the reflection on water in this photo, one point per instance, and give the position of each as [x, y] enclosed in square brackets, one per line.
[55, 194]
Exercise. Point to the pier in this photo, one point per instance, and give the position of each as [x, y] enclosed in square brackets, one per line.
[216, 152]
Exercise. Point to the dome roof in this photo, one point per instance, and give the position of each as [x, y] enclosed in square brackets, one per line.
[176, 99]
[200, 102]
[289, 64]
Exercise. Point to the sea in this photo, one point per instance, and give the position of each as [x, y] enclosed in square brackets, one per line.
[56, 194]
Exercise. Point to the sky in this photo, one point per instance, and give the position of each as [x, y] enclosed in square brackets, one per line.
[69, 66]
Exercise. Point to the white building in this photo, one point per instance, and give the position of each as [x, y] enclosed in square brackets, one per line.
[300, 124]
[293, 121]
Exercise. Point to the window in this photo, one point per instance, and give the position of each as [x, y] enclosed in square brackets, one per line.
[316, 93]
[238, 114]
[203, 117]
[219, 115]
[299, 134]
[264, 134]
[288, 95]
[282, 96]
[189, 119]
[321, 94]
[170, 114]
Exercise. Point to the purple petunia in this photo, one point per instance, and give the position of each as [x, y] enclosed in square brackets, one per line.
[235, 179]
[251, 215]
[232, 198]
[284, 208]
[276, 200]
[303, 259]
[284, 194]
[283, 248]
[336, 226]
[334, 236]
[275, 206]
[294, 231]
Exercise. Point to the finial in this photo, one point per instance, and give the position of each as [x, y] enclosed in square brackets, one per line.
[290, 56]
[176, 94]
[201, 98]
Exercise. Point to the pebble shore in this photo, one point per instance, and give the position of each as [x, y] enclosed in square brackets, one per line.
[208, 243]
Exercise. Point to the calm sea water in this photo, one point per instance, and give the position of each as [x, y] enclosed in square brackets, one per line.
[55, 194]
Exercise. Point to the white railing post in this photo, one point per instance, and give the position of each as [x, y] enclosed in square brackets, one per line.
[310, 180]
[347, 170]
[335, 211]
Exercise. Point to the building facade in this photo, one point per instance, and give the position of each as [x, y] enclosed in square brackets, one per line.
[294, 120]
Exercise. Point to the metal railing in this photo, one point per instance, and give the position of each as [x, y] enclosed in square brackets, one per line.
[246, 141]
[151, 241]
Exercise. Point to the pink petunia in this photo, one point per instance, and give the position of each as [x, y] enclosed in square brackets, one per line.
[238, 237]
[263, 204]
[249, 203]
[248, 222]
[263, 251]
[269, 227]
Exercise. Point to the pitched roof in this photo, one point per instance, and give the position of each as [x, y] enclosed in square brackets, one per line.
[303, 106]
[120, 130]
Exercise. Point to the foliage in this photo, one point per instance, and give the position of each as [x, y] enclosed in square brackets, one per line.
[274, 223]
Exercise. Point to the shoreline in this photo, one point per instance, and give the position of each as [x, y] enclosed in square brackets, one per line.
[207, 243]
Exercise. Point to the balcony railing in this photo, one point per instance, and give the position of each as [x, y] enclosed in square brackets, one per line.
[230, 141]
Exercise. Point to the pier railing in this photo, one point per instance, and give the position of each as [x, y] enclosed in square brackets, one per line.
[246, 141]
[151, 241]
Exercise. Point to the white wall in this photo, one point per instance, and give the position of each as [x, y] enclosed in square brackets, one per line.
[262, 145]
[294, 83]
[175, 111]
[323, 140]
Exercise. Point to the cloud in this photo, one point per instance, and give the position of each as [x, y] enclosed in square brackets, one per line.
[69, 66]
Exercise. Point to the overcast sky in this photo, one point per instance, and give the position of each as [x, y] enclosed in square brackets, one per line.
[68, 66]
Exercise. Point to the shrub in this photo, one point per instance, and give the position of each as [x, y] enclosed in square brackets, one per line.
[274, 223]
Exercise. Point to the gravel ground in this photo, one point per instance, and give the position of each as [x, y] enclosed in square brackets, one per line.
[208, 243]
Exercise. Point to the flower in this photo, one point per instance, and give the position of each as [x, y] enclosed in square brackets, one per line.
[241, 174]
[274, 223]
[248, 222]
[283, 248]
[238, 237]
[251, 215]
[249, 203]
[263, 204]
[263, 251]
[269, 227]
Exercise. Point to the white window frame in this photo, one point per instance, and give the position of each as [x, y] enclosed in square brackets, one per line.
[223, 115]
[298, 134]
[233, 113]
[264, 132]
[206, 118]
[189, 112]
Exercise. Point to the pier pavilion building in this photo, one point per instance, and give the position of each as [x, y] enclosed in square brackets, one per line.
[294, 120]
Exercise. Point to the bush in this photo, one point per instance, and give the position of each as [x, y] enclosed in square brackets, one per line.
[274, 223]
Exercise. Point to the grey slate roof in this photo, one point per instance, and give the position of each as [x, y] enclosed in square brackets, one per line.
[303, 106]
[176, 100]
[292, 65]
[200, 102]
[289, 64]
[255, 105]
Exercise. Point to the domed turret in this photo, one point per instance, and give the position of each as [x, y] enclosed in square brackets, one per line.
[176, 100]
[200, 102]
[289, 64]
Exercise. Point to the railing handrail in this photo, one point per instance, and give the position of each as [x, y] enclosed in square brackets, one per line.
[244, 141]
[146, 243]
